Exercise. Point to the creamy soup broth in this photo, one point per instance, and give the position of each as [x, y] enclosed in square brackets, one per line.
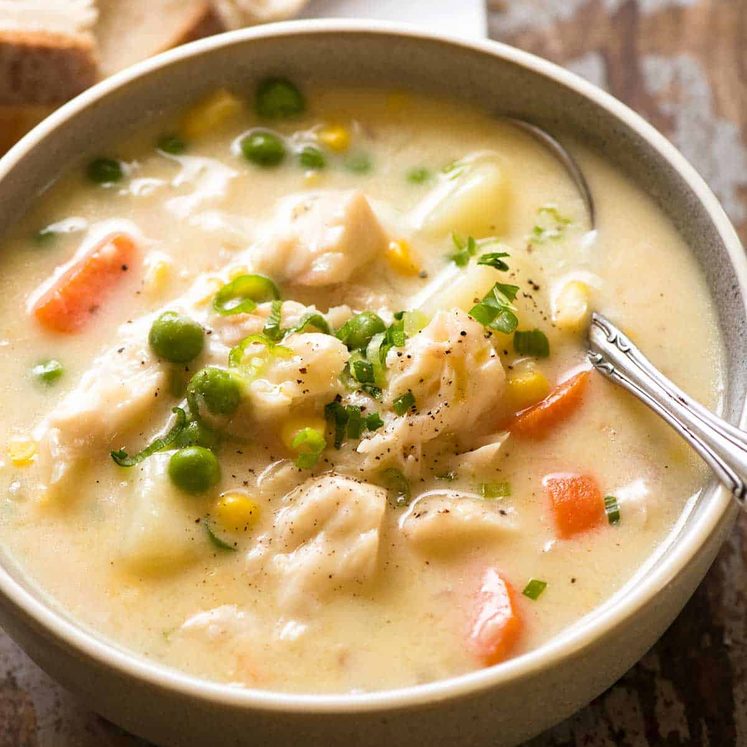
[327, 577]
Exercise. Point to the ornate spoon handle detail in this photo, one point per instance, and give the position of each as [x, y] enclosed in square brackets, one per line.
[721, 445]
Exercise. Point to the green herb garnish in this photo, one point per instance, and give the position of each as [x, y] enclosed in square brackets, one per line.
[465, 249]
[495, 489]
[404, 403]
[495, 260]
[312, 319]
[272, 329]
[534, 588]
[551, 225]
[374, 421]
[397, 485]
[363, 371]
[532, 342]
[612, 509]
[496, 310]
[122, 458]
[418, 175]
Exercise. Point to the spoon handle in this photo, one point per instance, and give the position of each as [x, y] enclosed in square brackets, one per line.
[721, 445]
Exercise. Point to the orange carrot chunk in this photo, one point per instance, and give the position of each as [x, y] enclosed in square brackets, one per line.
[78, 293]
[577, 505]
[497, 625]
[538, 420]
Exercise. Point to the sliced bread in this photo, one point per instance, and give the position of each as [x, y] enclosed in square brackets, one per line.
[237, 13]
[47, 51]
[131, 30]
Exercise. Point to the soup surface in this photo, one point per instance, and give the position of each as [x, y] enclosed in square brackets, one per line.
[296, 395]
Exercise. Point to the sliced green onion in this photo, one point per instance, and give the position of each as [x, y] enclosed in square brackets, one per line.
[376, 355]
[363, 371]
[257, 362]
[309, 443]
[374, 421]
[397, 485]
[404, 403]
[495, 489]
[494, 260]
[534, 588]
[371, 390]
[272, 329]
[122, 458]
[355, 421]
[395, 332]
[413, 322]
[532, 342]
[313, 319]
[48, 372]
[216, 540]
[612, 509]
[337, 415]
[244, 293]
[551, 225]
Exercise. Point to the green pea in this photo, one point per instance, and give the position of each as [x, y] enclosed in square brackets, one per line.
[104, 171]
[196, 434]
[418, 175]
[194, 469]
[176, 338]
[278, 98]
[263, 148]
[217, 389]
[312, 158]
[359, 164]
[357, 332]
[48, 372]
[171, 144]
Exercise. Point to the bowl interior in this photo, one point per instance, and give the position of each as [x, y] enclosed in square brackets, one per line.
[489, 75]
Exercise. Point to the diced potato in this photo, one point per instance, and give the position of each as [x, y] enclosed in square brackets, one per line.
[571, 309]
[471, 200]
[399, 256]
[456, 287]
[210, 113]
[525, 385]
[22, 451]
[235, 511]
[336, 137]
[161, 535]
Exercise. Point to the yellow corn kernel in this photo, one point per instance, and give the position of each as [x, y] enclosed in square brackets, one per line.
[399, 256]
[22, 451]
[235, 511]
[397, 101]
[210, 113]
[312, 178]
[292, 426]
[525, 385]
[335, 137]
[211, 286]
[572, 306]
[157, 275]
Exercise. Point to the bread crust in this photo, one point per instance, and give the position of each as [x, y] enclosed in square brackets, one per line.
[42, 67]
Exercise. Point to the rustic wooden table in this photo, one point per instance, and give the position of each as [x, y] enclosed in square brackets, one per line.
[683, 65]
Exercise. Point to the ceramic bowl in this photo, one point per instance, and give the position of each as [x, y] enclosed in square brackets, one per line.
[501, 705]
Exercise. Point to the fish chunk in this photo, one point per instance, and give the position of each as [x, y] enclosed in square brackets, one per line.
[455, 376]
[448, 522]
[328, 534]
[319, 239]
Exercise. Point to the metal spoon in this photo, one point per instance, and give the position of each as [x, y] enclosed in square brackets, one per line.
[721, 445]
[565, 158]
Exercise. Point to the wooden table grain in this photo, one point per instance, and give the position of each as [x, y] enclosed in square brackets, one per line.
[683, 65]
